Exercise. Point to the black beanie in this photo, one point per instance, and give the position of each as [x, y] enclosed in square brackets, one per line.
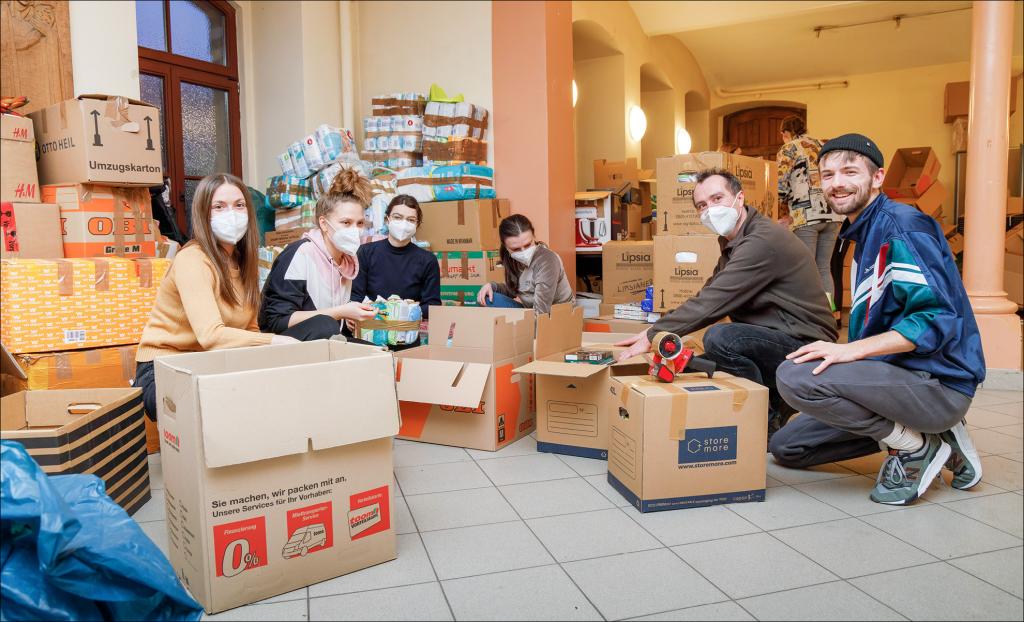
[854, 142]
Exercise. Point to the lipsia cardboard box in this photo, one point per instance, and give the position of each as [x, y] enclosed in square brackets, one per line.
[19, 181]
[571, 418]
[461, 389]
[463, 225]
[103, 221]
[911, 171]
[277, 464]
[627, 268]
[694, 442]
[99, 139]
[30, 231]
[94, 431]
[682, 265]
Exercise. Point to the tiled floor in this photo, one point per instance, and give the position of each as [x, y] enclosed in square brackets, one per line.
[522, 535]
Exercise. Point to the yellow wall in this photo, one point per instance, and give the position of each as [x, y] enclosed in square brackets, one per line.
[1017, 119]
[659, 141]
[600, 120]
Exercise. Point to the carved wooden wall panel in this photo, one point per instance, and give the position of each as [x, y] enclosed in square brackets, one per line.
[35, 59]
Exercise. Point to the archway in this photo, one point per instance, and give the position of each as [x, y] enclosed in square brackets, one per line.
[600, 117]
[658, 101]
[696, 121]
[754, 125]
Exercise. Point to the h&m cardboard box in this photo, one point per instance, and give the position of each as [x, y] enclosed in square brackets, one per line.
[682, 265]
[277, 465]
[95, 431]
[30, 231]
[911, 171]
[694, 442]
[463, 273]
[627, 268]
[571, 415]
[102, 139]
[18, 179]
[463, 225]
[611, 175]
[461, 389]
[104, 221]
[677, 177]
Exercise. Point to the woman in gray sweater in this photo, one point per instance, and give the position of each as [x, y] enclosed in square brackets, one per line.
[534, 275]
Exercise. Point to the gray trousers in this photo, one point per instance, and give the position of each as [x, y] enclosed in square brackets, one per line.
[849, 407]
[820, 238]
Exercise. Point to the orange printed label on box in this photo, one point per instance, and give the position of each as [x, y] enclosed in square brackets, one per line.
[240, 546]
[370, 513]
[98, 221]
[310, 529]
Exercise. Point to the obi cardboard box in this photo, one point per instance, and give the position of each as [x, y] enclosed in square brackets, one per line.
[682, 265]
[277, 465]
[463, 273]
[627, 268]
[911, 171]
[18, 179]
[30, 231]
[571, 416]
[99, 139]
[461, 389]
[104, 221]
[697, 441]
[463, 225]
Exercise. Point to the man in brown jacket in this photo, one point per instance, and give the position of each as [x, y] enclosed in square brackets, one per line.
[766, 283]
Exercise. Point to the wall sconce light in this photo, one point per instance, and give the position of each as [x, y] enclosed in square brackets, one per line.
[575, 94]
[637, 123]
[683, 141]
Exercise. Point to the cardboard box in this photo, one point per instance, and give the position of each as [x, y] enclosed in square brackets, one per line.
[460, 390]
[463, 273]
[1013, 277]
[682, 264]
[931, 201]
[304, 495]
[911, 171]
[76, 304]
[611, 175]
[463, 225]
[94, 431]
[627, 268]
[1014, 205]
[296, 218]
[626, 223]
[1015, 240]
[104, 221]
[594, 213]
[677, 177]
[607, 323]
[18, 179]
[99, 139]
[957, 100]
[694, 442]
[956, 242]
[284, 238]
[30, 231]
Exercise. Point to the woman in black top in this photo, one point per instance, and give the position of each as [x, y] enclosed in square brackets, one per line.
[397, 266]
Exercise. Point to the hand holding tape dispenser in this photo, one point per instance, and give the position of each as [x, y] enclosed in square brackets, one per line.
[670, 358]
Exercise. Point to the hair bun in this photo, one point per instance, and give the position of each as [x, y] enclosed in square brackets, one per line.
[352, 183]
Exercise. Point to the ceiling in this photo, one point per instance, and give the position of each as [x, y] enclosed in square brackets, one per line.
[743, 44]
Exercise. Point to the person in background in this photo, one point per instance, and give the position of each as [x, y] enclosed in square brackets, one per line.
[395, 265]
[209, 297]
[534, 275]
[914, 359]
[308, 290]
[732, 148]
[802, 205]
[765, 282]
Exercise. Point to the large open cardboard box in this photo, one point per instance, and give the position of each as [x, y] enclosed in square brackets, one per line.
[911, 171]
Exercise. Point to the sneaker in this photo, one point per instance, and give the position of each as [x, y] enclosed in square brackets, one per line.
[905, 476]
[964, 461]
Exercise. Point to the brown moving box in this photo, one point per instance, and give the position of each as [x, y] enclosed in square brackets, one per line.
[677, 177]
[957, 101]
[606, 323]
[931, 201]
[274, 478]
[461, 389]
[694, 442]
[626, 223]
[911, 171]
[30, 231]
[627, 268]
[100, 139]
[18, 179]
[1013, 277]
[94, 431]
[283, 238]
[463, 225]
[682, 264]
[611, 175]
[463, 273]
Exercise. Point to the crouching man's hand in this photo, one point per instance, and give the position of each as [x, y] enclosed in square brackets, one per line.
[828, 352]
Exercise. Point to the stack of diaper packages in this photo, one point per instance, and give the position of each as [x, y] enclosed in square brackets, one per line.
[397, 322]
[393, 135]
[454, 133]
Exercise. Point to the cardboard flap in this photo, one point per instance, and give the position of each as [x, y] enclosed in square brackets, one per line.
[555, 368]
[452, 383]
[9, 365]
[102, 97]
[593, 195]
[559, 331]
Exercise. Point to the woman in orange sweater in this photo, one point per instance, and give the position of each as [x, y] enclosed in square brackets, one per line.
[210, 296]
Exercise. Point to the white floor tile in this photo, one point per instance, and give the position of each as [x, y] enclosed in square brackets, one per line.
[526, 446]
[585, 466]
[986, 397]
[300, 594]
[1000, 511]
[941, 532]
[523, 469]
[1016, 429]
[441, 478]
[866, 465]
[992, 442]
[291, 610]
[470, 551]
[547, 593]
[942, 492]
[983, 418]
[1004, 569]
[600, 483]
[560, 496]
[1014, 409]
[591, 534]
[772, 483]
[411, 566]
[412, 602]
[786, 507]
[156, 472]
[460, 508]
[419, 454]
[849, 494]
[157, 532]
[829, 601]
[153, 510]
[724, 612]
[1003, 472]
[804, 476]
[1016, 457]
[691, 525]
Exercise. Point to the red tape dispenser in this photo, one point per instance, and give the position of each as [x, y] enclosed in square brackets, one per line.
[671, 358]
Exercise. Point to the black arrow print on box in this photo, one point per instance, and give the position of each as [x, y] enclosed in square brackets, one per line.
[149, 134]
[662, 299]
[96, 142]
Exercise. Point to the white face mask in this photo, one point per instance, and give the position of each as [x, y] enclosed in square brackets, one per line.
[721, 219]
[345, 239]
[525, 256]
[401, 230]
[229, 225]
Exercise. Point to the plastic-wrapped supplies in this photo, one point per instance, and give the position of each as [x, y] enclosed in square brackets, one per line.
[455, 133]
[399, 104]
[287, 191]
[300, 168]
[266, 255]
[397, 322]
[325, 146]
[296, 218]
[460, 182]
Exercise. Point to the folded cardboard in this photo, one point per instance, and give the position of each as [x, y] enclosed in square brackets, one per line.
[682, 264]
[94, 431]
[931, 201]
[277, 465]
[694, 442]
[18, 179]
[99, 139]
[103, 221]
[73, 304]
[612, 175]
[627, 268]
[461, 389]
[957, 100]
[463, 273]
[677, 177]
[30, 231]
[463, 225]
[911, 171]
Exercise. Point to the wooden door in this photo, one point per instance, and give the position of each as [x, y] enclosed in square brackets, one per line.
[757, 130]
[35, 52]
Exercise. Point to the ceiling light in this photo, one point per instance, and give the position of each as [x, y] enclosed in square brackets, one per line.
[683, 141]
[575, 93]
[637, 123]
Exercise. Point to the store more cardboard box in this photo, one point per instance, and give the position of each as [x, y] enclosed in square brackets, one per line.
[104, 221]
[30, 231]
[463, 273]
[102, 139]
[95, 431]
[463, 225]
[461, 389]
[682, 264]
[627, 268]
[911, 172]
[278, 466]
[694, 442]
[19, 181]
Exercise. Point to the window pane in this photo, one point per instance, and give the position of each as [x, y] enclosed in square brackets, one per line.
[197, 31]
[149, 22]
[190, 192]
[153, 93]
[206, 133]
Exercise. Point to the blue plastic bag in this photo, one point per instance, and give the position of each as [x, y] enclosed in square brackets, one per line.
[68, 552]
